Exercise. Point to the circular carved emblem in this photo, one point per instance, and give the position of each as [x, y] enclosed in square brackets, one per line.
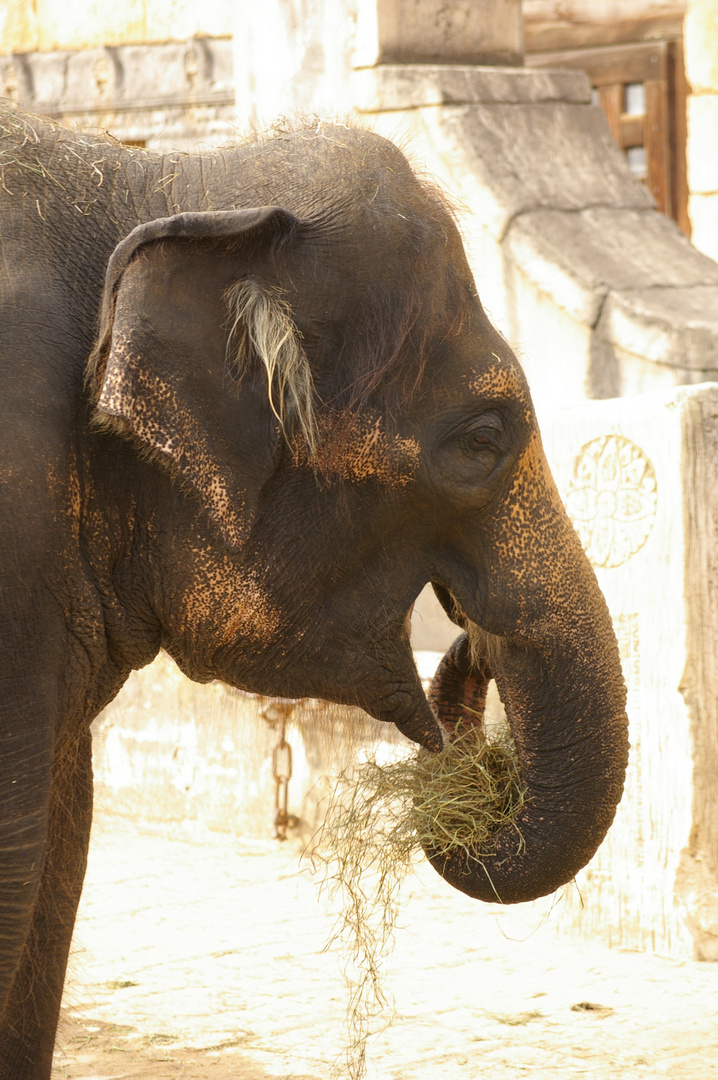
[612, 499]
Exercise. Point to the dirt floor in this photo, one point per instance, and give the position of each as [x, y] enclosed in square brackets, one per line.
[200, 956]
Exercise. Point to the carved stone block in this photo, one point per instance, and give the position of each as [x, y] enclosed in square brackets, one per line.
[431, 32]
[639, 478]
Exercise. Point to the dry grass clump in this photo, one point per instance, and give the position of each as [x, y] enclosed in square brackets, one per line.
[379, 819]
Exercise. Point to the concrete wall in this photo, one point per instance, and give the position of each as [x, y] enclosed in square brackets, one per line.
[170, 750]
[26, 25]
[300, 55]
[293, 56]
[701, 55]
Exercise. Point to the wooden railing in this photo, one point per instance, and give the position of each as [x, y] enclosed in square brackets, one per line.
[642, 89]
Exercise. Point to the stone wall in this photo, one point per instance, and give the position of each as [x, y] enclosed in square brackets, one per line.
[292, 56]
[578, 24]
[172, 94]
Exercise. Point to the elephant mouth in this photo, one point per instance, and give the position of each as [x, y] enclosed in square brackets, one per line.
[459, 689]
[456, 698]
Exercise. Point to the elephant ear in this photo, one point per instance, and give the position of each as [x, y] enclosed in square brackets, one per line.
[181, 293]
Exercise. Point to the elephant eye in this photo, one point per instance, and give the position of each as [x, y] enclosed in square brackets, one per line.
[484, 434]
[473, 455]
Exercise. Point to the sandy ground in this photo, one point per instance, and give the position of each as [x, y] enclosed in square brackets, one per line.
[201, 956]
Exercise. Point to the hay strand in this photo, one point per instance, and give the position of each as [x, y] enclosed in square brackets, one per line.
[379, 820]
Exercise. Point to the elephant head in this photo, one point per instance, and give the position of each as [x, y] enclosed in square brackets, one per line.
[330, 421]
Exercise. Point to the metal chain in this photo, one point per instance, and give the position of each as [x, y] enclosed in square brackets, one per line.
[276, 712]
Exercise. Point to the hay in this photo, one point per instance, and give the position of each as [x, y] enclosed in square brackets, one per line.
[379, 820]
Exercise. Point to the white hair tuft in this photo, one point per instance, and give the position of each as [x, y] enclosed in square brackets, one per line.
[261, 322]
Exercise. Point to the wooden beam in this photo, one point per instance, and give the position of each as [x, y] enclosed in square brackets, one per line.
[622, 64]
[632, 130]
[611, 101]
[677, 94]
[576, 24]
[657, 145]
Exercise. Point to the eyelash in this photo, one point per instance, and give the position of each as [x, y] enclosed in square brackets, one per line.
[486, 434]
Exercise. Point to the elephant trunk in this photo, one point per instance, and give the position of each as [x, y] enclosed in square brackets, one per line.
[566, 709]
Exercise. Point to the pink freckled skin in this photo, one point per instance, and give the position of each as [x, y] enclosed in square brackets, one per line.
[354, 448]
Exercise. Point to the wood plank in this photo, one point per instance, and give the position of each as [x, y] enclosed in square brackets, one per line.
[610, 70]
[575, 24]
[624, 63]
[631, 130]
[611, 101]
[677, 95]
[657, 144]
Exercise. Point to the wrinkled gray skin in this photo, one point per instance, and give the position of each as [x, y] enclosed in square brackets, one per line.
[160, 502]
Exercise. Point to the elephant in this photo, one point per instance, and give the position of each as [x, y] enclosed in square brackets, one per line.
[251, 405]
